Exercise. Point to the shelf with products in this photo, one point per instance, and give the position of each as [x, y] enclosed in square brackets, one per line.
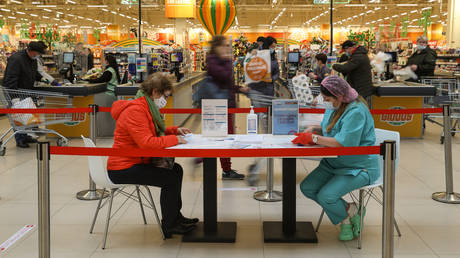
[447, 64]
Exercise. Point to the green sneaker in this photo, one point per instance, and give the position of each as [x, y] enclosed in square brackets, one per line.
[355, 221]
[346, 232]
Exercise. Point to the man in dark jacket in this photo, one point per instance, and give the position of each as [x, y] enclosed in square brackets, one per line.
[357, 69]
[423, 61]
[21, 73]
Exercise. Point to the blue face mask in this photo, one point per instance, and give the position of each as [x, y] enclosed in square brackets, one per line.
[272, 50]
[329, 105]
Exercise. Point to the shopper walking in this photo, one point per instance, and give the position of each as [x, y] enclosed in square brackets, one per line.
[220, 71]
[140, 125]
[357, 70]
[346, 123]
[21, 73]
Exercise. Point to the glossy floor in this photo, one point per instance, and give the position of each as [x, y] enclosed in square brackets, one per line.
[429, 229]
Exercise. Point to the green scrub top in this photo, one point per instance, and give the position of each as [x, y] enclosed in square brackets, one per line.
[354, 128]
[112, 83]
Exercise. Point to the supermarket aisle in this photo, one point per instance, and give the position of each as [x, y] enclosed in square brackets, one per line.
[429, 229]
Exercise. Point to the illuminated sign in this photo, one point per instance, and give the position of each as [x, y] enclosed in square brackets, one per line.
[180, 8]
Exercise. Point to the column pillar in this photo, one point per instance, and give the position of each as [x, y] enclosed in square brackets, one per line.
[179, 31]
[453, 23]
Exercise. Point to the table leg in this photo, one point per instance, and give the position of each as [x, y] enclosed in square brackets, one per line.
[289, 231]
[210, 230]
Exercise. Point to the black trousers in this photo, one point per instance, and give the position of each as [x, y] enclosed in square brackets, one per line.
[170, 181]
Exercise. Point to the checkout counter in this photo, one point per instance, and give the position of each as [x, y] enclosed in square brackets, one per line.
[83, 94]
[401, 95]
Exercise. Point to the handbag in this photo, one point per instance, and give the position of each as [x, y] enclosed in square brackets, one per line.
[163, 162]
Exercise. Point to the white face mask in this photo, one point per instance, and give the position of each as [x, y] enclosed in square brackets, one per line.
[421, 47]
[161, 102]
[329, 105]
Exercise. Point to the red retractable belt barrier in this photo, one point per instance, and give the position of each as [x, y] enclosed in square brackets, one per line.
[198, 111]
[207, 153]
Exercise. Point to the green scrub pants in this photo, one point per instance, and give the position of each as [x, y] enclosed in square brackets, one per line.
[327, 189]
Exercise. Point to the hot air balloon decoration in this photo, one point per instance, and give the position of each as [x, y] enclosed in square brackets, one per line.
[216, 16]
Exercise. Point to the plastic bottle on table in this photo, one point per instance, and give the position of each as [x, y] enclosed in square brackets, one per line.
[251, 125]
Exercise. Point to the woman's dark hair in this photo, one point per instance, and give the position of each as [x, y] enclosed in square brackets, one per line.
[268, 42]
[158, 82]
[260, 39]
[112, 62]
[321, 57]
[216, 41]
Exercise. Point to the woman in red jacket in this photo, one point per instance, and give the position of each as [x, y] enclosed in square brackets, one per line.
[140, 125]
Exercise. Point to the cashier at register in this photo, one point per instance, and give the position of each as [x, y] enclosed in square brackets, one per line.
[321, 71]
[423, 61]
[347, 122]
[111, 75]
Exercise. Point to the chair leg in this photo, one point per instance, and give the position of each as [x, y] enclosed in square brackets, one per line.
[97, 212]
[320, 220]
[396, 223]
[140, 203]
[361, 217]
[397, 228]
[156, 213]
[109, 212]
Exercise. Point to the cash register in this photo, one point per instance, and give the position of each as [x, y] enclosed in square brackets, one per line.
[67, 70]
[293, 63]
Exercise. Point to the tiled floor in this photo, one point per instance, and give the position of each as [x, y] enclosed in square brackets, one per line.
[430, 229]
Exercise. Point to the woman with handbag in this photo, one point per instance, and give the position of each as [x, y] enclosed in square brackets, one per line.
[220, 71]
[140, 125]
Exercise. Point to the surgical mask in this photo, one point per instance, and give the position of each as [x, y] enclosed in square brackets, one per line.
[272, 50]
[421, 47]
[329, 105]
[161, 102]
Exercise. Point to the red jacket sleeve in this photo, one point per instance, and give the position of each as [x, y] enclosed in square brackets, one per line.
[136, 122]
[171, 130]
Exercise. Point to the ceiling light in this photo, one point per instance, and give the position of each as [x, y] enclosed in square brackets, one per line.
[34, 15]
[380, 20]
[113, 12]
[355, 5]
[407, 5]
[97, 6]
[5, 10]
[16, 2]
[377, 8]
[71, 15]
[122, 15]
[415, 20]
[394, 16]
[434, 16]
[70, 1]
[369, 11]
[56, 19]
[36, 3]
[46, 6]
[20, 12]
[403, 13]
[85, 27]
[46, 17]
[11, 17]
[48, 10]
[414, 11]
[361, 14]
[66, 21]
[426, 8]
[105, 10]
[386, 18]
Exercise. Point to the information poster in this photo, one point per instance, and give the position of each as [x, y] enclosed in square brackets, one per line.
[214, 115]
[141, 65]
[285, 117]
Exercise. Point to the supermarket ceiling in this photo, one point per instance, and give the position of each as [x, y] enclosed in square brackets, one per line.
[251, 14]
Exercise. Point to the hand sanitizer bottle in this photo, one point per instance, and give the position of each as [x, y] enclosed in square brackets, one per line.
[251, 125]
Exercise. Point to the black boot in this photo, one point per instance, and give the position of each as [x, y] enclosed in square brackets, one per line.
[179, 229]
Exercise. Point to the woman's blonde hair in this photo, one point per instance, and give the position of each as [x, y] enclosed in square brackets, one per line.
[339, 112]
[158, 82]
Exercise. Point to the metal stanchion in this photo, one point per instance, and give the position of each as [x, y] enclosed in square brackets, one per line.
[269, 195]
[92, 193]
[43, 157]
[388, 149]
[449, 196]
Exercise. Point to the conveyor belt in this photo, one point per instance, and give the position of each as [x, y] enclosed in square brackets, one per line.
[76, 90]
[405, 89]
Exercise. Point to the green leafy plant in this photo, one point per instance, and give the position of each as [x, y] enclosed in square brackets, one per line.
[425, 21]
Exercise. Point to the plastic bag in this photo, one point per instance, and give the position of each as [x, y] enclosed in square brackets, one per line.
[257, 67]
[25, 119]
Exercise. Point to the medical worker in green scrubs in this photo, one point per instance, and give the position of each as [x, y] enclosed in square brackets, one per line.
[347, 122]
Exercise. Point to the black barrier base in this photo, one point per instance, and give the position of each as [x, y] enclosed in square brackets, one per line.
[273, 233]
[226, 233]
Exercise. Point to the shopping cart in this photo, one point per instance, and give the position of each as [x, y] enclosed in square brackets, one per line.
[447, 93]
[33, 124]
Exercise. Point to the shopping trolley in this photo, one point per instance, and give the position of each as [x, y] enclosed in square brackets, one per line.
[33, 124]
[447, 93]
